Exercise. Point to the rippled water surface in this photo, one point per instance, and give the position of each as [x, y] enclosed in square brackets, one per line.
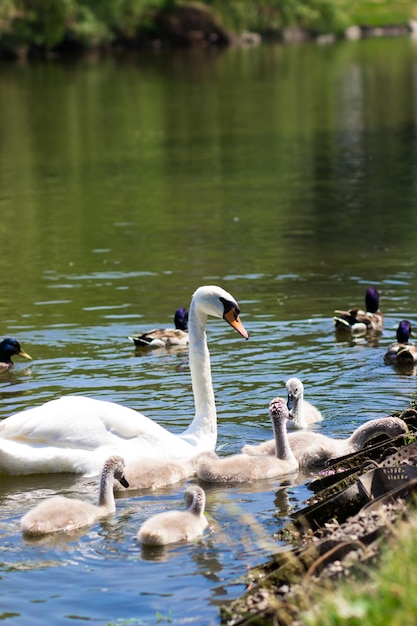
[285, 175]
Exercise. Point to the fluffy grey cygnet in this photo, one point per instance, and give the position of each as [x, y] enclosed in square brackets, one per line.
[312, 449]
[241, 468]
[302, 412]
[174, 526]
[61, 514]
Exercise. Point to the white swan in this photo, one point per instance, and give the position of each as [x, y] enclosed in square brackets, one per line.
[240, 468]
[311, 449]
[174, 526]
[302, 412]
[61, 514]
[76, 434]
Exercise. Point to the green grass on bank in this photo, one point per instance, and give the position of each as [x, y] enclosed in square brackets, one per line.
[379, 12]
[385, 597]
[319, 15]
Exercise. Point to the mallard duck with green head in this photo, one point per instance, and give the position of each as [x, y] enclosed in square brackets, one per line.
[165, 337]
[402, 352]
[8, 348]
[359, 322]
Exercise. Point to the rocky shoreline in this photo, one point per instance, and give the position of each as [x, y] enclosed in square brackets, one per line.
[357, 503]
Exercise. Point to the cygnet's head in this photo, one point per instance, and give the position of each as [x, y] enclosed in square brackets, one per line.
[295, 390]
[278, 410]
[115, 465]
[195, 499]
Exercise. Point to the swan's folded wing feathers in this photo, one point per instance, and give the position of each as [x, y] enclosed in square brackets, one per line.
[63, 422]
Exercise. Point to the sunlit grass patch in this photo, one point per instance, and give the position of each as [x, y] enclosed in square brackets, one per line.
[384, 597]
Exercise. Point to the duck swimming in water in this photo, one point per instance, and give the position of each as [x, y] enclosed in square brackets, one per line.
[358, 322]
[403, 352]
[165, 337]
[8, 348]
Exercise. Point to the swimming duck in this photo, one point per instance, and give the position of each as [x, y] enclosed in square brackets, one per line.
[61, 514]
[403, 352]
[174, 526]
[358, 322]
[303, 413]
[8, 348]
[75, 433]
[312, 449]
[165, 337]
[240, 468]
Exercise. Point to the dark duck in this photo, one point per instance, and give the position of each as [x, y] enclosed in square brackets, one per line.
[10, 347]
[359, 322]
[165, 337]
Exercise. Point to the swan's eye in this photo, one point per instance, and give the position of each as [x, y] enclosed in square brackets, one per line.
[230, 306]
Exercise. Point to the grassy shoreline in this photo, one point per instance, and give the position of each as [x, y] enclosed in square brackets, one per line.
[381, 596]
[44, 27]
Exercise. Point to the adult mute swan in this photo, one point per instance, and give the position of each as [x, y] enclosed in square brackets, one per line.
[165, 337]
[61, 514]
[358, 322]
[302, 412]
[312, 449]
[76, 434]
[241, 468]
[174, 526]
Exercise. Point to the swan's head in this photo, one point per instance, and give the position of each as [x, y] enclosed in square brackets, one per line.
[295, 391]
[404, 332]
[278, 410]
[115, 465]
[181, 319]
[215, 301]
[372, 300]
[10, 347]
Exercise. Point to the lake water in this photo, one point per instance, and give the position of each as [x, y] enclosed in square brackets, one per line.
[287, 175]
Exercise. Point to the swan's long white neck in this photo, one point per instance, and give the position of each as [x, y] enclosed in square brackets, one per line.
[203, 428]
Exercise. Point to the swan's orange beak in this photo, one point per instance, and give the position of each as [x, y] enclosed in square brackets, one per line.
[233, 319]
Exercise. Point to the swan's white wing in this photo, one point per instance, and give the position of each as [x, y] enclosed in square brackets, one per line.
[77, 421]
[75, 433]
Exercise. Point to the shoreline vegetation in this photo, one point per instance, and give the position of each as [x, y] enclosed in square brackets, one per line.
[350, 554]
[50, 28]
